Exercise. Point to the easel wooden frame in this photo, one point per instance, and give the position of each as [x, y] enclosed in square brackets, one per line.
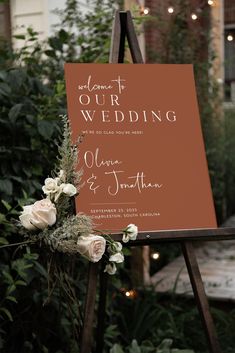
[123, 27]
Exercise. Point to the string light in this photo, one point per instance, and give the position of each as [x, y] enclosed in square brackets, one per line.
[144, 10]
[155, 256]
[210, 2]
[170, 9]
[230, 37]
[130, 293]
[194, 16]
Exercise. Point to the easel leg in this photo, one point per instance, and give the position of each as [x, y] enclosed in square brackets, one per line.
[200, 296]
[101, 311]
[87, 334]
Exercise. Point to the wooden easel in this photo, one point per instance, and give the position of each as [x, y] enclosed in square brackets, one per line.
[123, 28]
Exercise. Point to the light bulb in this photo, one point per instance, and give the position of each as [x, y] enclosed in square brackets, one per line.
[230, 38]
[194, 17]
[127, 294]
[210, 2]
[146, 11]
[170, 9]
[155, 256]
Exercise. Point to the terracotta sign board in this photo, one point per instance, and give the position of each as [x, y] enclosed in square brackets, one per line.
[142, 152]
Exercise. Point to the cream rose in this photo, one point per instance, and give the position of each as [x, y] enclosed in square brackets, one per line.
[39, 215]
[91, 246]
[69, 189]
[130, 233]
[51, 186]
[110, 268]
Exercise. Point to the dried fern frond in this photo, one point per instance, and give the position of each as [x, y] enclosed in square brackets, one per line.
[68, 156]
[70, 230]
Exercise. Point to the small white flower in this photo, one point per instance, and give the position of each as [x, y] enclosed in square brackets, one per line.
[50, 187]
[130, 233]
[114, 247]
[110, 268]
[118, 258]
[69, 189]
[118, 246]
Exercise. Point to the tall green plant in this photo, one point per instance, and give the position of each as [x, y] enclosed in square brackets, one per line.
[32, 96]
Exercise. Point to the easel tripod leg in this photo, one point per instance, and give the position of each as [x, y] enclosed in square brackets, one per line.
[101, 311]
[87, 332]
[200, 296]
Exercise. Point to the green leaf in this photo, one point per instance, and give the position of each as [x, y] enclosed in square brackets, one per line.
[116, 349]
[6, 186]
[41, 269]
[11, 289]
[63, 35]
[19, 36]
[135, 348]
[14, 112]
[3, 241]
[6, 205]
[45, 129]
[50, 53]
[7, 313]
[20, 283]
[4, 89]
[11, 298]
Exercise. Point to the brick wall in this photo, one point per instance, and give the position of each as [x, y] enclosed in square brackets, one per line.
[229, 12]
[5, 26]
[155, 41]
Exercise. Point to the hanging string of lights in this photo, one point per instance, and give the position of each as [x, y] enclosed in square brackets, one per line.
[144, 11]
[170, 9]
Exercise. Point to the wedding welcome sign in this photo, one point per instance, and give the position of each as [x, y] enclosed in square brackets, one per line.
[142, 150]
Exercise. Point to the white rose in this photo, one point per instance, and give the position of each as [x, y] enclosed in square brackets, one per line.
[51, 186]
[26, 216]
[69, 189]
[130, 233]
[118, 258]
[91, 246]
[110, 268]
[39, 215]
[114, 247]
[118, 246]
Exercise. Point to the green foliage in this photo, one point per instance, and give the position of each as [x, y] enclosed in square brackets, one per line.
[164, 347]
[32, 96]
[151, 319]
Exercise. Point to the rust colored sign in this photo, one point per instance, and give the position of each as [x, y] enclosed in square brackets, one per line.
[142, 153]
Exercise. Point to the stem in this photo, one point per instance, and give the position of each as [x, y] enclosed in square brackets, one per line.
[16, 244]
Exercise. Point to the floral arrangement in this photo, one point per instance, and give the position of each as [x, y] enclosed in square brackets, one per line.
[52, 219]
